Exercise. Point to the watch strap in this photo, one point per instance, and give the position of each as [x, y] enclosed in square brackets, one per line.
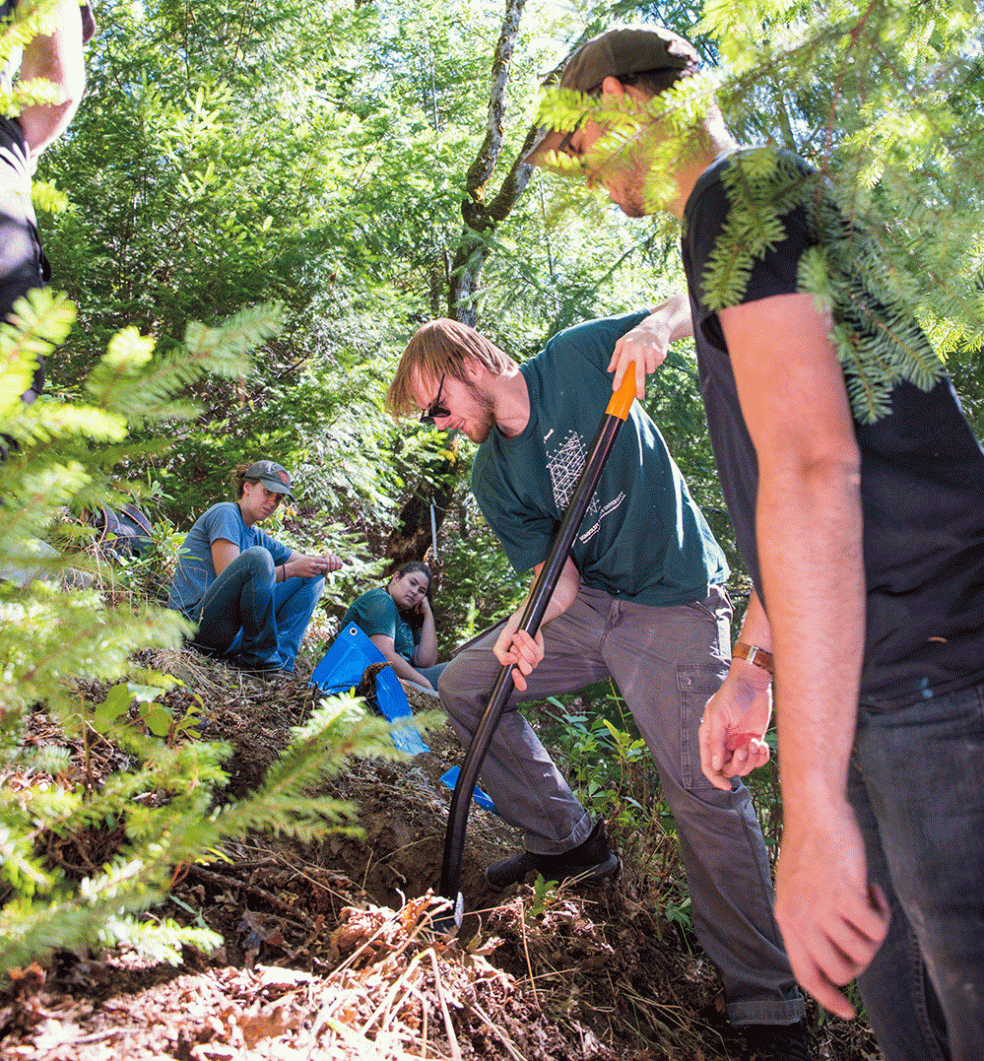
[754, 655]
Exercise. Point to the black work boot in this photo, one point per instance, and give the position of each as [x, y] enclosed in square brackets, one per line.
[589, 863]
[779, 1042]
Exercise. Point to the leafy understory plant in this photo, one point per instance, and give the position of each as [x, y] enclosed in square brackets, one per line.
[158, 811]
[614, 776]
[179, 825]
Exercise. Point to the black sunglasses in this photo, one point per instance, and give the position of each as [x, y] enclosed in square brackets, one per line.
[435, 409]
[564, 147]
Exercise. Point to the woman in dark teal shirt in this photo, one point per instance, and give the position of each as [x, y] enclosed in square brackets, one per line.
[398, 620]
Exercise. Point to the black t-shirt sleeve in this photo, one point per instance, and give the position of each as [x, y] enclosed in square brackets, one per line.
[775, 272]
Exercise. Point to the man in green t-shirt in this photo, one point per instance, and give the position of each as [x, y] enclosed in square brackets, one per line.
[641, 600]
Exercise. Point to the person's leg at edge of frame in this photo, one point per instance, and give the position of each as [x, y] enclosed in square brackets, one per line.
[241, 598]
[23, 265]
[923, 768]
[294, 603]
[900, 1002]
[518, 773]
[667, 663]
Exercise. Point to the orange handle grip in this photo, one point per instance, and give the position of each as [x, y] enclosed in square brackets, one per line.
[621, 401]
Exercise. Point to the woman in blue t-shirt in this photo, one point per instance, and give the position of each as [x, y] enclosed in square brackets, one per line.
[250, 595]
[398, 620]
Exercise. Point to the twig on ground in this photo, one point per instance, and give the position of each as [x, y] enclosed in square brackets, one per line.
[529, 964]
[449, 1027]
[294, 913]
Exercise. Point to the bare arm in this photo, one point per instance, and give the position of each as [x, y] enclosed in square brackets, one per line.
[223, 553]
[296, 565]
[732, 731]
[425, 654]
[648, 342]
[299, 565]
[809, 533]
[60, 60]
[404, 670]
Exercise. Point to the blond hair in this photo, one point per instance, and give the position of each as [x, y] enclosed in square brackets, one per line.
[439, 348]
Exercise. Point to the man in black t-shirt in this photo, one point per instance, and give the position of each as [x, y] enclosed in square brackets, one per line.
[862, 527]
[56, 56]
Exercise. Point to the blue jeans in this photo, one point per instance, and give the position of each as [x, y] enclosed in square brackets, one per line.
[667, 663]
[247, 614]
[917, 788]
[432, 674]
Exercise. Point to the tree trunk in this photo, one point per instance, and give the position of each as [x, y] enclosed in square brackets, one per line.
[411, 538]
[481, 214]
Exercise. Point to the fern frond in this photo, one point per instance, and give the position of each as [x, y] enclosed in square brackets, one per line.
[876, 331]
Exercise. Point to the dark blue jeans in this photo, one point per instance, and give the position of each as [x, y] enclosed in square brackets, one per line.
[917, 787]
[246, 613]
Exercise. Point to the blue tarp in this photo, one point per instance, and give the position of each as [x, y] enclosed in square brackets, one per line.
[341, 669]
[480, 797]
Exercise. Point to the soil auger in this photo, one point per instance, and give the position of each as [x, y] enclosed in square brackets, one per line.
[616, 413]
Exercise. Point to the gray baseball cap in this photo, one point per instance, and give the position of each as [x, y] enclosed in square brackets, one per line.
[271, 475]
[617, 53]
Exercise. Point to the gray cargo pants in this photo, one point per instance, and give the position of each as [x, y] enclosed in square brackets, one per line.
[667, 662]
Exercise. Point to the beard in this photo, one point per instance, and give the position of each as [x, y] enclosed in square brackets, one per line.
[630, 204]
[481, 424]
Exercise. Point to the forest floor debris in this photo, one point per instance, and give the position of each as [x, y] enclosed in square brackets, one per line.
[330, 951]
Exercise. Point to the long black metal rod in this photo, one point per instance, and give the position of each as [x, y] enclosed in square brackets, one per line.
[536, 607]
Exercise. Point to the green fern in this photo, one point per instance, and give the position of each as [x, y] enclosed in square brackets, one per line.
[52, 635]
[879, 340]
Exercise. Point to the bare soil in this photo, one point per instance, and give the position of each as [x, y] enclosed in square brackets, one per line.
[330, 950]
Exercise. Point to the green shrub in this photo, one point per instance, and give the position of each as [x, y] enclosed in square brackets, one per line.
[156, 811]
[597, 745]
